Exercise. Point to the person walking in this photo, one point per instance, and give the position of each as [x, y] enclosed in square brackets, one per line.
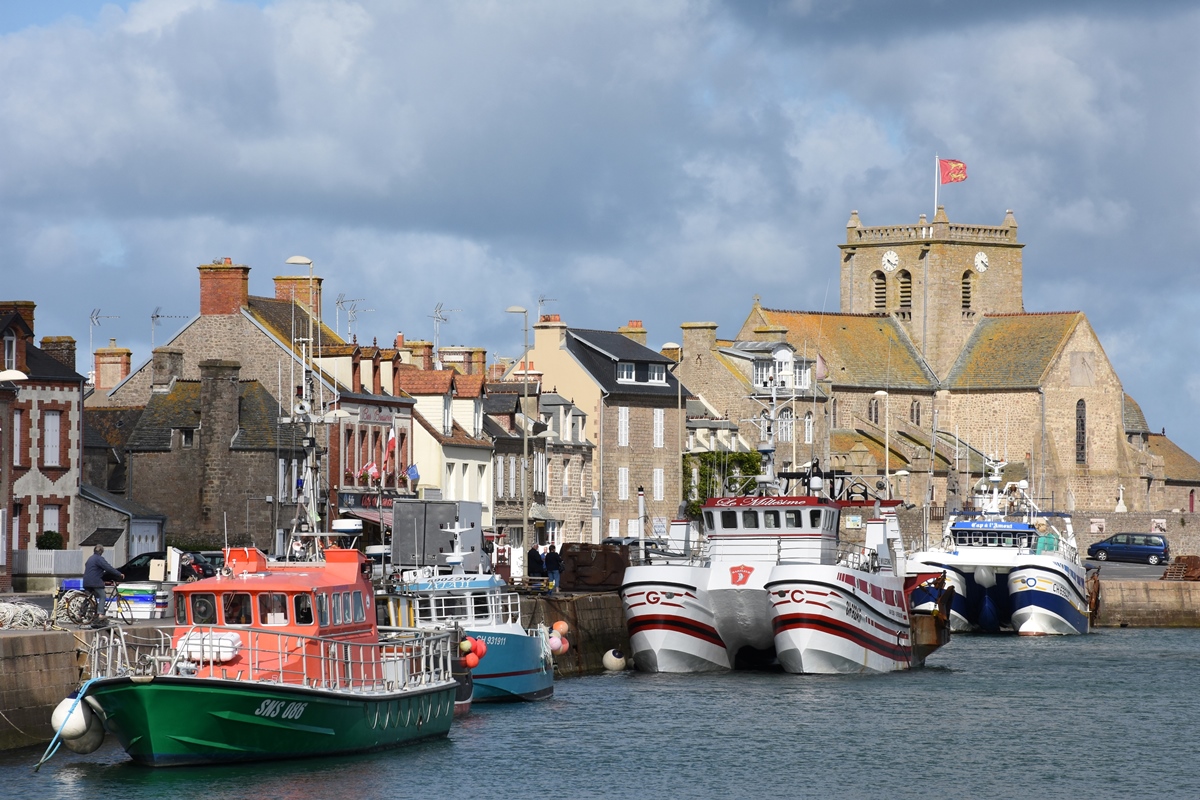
[554, 567]
[95, 572]
[535, 568]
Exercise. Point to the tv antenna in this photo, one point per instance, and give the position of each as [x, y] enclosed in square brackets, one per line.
[155, 317]
[541, 302]
[341, 303]
[439, 316]
[95, 321]
[352, 313]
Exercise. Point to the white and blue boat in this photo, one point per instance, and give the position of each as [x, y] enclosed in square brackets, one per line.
[518, 664]
[1013, 567]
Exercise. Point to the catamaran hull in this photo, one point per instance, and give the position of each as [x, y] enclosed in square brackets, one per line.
[175, 721]
[517, 667]
[1048, 600]
[831, 620]
[670, 620]
[981, 601]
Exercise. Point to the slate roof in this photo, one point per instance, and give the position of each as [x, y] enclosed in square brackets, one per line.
[180, 408]
[860, 350]
[1177, 465]
[1133, 418]
[501, 403]
[112, 426]
[1012, 351]
[599, 351]
[277, 315]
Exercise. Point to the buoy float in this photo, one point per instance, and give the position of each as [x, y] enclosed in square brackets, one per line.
[479, 648]
[72, 723]
[471, 660]
[555, 642]
[90, 742]
[565, 646]
[467, 644]
[561, 627]
[614, 660]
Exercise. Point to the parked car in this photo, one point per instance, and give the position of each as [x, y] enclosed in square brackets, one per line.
[214, 557]
[1152, 548]
[138, 567]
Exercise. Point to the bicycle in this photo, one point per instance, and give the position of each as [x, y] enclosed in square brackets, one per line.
[79, 605]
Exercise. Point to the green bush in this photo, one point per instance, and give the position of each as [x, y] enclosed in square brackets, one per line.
[50, 540]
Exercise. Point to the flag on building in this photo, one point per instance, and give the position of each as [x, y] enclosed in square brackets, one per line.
[412, 474]
[952, 171]
[371, 470]
[389, 449]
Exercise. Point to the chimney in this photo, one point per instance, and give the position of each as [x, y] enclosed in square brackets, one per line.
[770, 333]
[288, 287]
[699, 340]
[550, 333]
[399, 345]
[476, 361]
[166, 368]
[61, 349]
[224, 287]
[22, 308]
[634, 331]
[422, 354]
[112, 365]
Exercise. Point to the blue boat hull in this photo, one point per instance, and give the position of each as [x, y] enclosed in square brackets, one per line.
[514, 669]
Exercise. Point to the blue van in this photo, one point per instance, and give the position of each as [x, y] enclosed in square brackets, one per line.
[1149, 547]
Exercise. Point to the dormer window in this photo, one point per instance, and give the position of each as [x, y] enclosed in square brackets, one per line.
[657, 373]
[10, 351]
[187, 437]
[803, 375]
[625, 371]
[763, 372]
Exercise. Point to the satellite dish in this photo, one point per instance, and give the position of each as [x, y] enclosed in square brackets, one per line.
[301, 408]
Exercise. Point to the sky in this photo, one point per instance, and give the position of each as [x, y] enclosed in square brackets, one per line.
[606, 161]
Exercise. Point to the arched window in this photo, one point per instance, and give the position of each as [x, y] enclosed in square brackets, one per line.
[786, 420]
[764, 427]
[873, 410]
[833, 413]
[968, 281]
[914, 413]
[878, 290]
[905, 279]
[1080, 433]
[808, 427]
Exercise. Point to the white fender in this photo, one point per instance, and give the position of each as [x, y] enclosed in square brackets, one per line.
[77, 720]
[91, 740]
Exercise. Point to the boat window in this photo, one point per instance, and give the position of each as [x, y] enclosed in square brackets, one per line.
[360, 613]
[322, 610]
[480, 603]
[453, 607]
[236, 608]
[272, 608]
[424, 612]
[303, 607]
[814, 519]
[180, 610]
[204, 609]
[770, 519]
[749, 519]
[728, 519]
[793, 519]
[708, 520]
[346, 617]
[335, 603]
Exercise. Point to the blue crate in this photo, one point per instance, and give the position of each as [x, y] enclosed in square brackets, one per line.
[72, 583]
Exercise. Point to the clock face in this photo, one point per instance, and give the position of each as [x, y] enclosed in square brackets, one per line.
[981, 262]
[890, 260]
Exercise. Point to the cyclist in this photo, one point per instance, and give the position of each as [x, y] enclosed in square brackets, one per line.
[95, 572]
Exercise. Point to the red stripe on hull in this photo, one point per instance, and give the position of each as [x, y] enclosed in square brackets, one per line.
[659, 622]
[823, 624]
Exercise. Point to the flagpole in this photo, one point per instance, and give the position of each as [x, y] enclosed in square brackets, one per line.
[936, 176]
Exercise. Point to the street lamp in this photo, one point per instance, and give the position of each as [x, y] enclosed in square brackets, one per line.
[887, 408]
[517, 555]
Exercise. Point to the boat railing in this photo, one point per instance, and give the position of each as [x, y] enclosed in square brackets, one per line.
[466, 609]
[405, 659]
[857, 557]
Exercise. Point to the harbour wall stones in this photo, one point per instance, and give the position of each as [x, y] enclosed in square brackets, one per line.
[37, 670]
[1149, 604]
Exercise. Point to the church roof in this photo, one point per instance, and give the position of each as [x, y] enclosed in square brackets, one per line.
[863, 350]
[1011, 351]
[1177, 465]
[1133, 418]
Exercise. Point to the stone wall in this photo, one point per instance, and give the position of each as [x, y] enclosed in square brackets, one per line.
[38, 671]
[597, 625]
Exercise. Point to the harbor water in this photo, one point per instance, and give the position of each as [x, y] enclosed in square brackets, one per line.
[1108, 715]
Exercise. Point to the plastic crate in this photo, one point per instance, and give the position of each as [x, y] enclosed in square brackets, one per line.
[72, 583]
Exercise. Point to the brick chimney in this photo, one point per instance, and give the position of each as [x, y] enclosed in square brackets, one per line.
[770, 333]
[297, 286]
[23, 308]
[61, 349]
[166, 367]
[422, 354]
[224, 287]
[112, 365]
[634, 331]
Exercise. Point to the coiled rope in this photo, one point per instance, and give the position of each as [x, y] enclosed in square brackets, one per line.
[23, 615]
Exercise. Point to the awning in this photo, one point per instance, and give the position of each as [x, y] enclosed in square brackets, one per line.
[365, 514]
[539, 511]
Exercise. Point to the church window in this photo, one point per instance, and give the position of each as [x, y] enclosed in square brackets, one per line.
[1080, 433]
[914, 413]
[905, 278]
[873, 410]
[786, 422]
[808, 428]
[833, 413]
[879, 290]
[968, 280]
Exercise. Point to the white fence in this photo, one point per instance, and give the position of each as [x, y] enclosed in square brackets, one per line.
[48, 562]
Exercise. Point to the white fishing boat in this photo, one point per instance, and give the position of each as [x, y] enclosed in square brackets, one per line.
[1013, 567]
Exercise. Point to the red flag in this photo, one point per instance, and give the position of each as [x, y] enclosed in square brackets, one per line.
[952, 171]
[390, 449]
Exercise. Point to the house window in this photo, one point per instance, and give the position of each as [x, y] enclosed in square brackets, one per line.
[51, 520]
[878, 290]
[566, 477]
[914, 413]
[968, 279]
[447, 417]
[803, 375]
[658, 427]
[786, 424]
[51, 431]
[657, 373]
[10, 350]
[658, 483]
[622, 426]
[186, 437]
[833, 413]
[808, 428]
[762, 372]
[873, 410]
[625, 371]
[623, 483]
[16, 437]
[614, 527]
[499, 477]
[905, 280]
[1080, 433]
[512, 476]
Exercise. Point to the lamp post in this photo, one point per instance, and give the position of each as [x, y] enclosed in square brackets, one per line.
[517, 555]
[887, 450]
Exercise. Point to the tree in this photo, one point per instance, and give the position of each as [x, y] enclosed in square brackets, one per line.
[50, 540]
[708, 475]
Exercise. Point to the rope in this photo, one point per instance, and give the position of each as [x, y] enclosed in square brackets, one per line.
[56, 742]
[23, 615]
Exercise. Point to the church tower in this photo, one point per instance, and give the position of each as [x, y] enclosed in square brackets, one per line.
[937, 279]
